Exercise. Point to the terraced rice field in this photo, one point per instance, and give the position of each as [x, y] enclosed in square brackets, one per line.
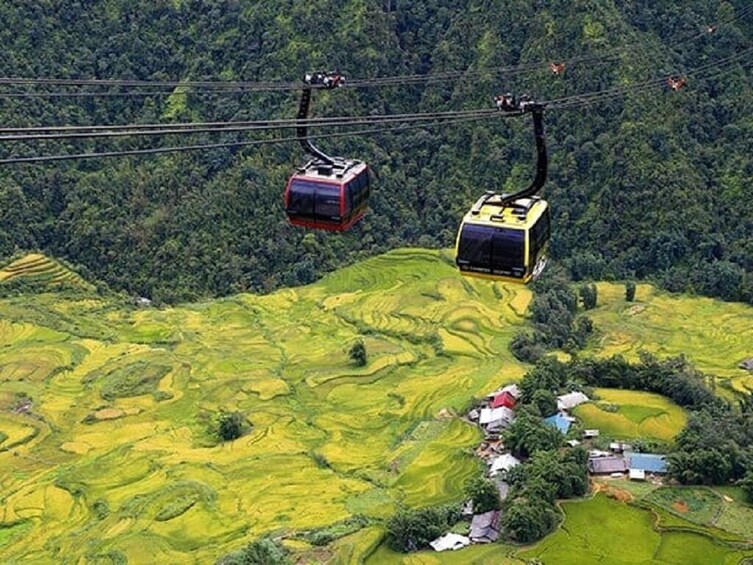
[602, 529]
[714, 335]
[40, 269]
[113, 456]
[629, 414]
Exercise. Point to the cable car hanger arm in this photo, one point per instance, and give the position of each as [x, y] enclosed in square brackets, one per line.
[325, 80]
[542, 162]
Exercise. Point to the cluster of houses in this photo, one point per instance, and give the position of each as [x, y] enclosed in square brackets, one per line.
[497, 412]
[620, 459]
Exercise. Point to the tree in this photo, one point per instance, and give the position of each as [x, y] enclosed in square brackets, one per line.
[526, 347]
[747, 485]
[230, 425]
[357, 353]
[412, 530]
[263, 551]
[528, 519]
[588, 295]
[545, 402]
[630, 291]
[484, 494]
[529, 434]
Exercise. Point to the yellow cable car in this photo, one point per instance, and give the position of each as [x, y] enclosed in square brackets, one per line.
[504, 237]
[505, 242]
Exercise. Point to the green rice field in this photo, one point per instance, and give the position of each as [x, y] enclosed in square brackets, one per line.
[629, 414]
[714, 335]
[113, 456]
[106, 409]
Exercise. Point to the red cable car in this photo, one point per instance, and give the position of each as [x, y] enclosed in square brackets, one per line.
[327, 193]
[330, 197]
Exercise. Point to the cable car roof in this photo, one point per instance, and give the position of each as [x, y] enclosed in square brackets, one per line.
[522, 214]
[341, 172]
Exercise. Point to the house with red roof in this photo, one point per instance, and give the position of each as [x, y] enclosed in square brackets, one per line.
[503, 398]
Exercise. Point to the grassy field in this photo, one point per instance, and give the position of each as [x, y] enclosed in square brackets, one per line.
[602, 529]
[112, 457]
[629, 414]
[715, 335]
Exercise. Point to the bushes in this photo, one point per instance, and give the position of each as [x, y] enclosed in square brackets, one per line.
[357, 353]
[553, 312]
[630, 291]
[412, 530]
[231, 425]
[484, 495]
[263, 551]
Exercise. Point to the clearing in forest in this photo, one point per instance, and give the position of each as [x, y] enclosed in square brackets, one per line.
[629, 414]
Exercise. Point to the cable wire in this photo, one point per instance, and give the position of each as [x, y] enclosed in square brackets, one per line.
[158, 150]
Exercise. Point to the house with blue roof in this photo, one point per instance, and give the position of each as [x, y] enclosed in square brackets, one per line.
[560, 421]
[647, 462]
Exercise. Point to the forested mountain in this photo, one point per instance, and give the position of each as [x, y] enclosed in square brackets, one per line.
[652, 183]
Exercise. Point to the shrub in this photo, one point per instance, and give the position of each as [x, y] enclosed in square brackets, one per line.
[357, 353]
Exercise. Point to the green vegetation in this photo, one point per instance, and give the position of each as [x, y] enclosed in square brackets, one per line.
[231, 425]
[484, 495]
[713, 335]
[412, 530]
[588, 295]
[370, 438]
[649, 184]
[35, 272]
[598, 527]
[631, 414]
[553, 313]
[357, 353]
[94, 469]
[264, 551]
[630, 291]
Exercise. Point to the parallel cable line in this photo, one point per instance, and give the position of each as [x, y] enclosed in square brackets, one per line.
[158, 150]
[242, 87]
[221, 127]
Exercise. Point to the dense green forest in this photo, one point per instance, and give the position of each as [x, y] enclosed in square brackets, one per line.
[650, 184]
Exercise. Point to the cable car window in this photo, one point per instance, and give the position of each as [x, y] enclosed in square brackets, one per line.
[360, 186]
[327, 201]
[349, 205]
[539, 235]
[474, 247]
[301, 197]
[508, 251]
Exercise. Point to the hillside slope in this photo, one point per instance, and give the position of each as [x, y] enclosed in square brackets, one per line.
[652, 183]
[105, 409]
[115, 441]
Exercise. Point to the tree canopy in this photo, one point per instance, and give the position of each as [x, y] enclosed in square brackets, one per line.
[649, 184]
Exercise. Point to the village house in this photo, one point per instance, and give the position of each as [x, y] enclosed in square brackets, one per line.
[502, 464]
[607, 465]
[647, 462]
[450, 542]
[495, 419]
[619, 447]
[485, 527]
[570, 400]
[502, 398]
[560, 421]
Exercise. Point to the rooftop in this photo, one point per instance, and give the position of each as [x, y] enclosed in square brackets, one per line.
[649, 462]
[570, 400]
[559, 421]
[449, 541]
[489, 415]
[606, 465]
